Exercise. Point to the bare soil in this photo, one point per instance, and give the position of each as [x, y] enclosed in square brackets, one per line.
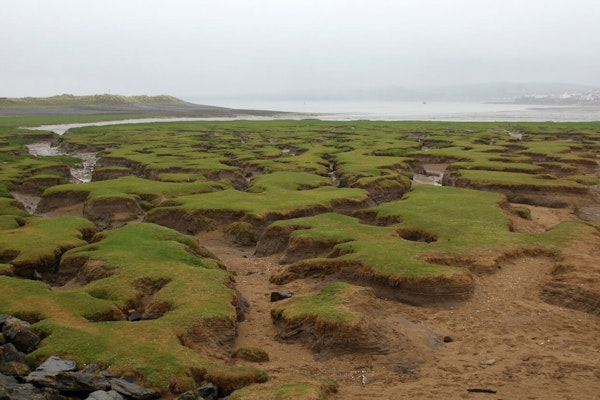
[504, 339]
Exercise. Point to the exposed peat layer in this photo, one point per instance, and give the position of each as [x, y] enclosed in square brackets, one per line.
[160, 268]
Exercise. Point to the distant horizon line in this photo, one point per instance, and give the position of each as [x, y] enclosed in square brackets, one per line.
[447, 91]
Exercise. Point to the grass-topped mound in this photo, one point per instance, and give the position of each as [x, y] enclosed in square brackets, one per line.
[108, 202]
[289, 388]
[342, 318]
[52, 237]
[440, 235]
[270, 197]
[186, 297]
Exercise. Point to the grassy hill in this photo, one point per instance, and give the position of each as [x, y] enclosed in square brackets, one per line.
[97, 99]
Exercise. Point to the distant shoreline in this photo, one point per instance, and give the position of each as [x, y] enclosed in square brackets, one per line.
[120, 107]
[146, 106]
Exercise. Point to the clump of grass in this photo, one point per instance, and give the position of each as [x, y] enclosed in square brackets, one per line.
[516, 181]
[522, 212]
[289, 388]
[242, 233]
[326, 308]
[253, 354]
[53, 237]
[9, 206]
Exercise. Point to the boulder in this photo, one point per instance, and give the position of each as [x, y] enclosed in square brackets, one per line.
[10, 389]
[134, 316]
[60, 374]
[132, 390]
[6, 381]
[12, 361]
[54, 365]
[277, 296]
[206, 392]
[17, 332]
[70, 382]
[103, 395]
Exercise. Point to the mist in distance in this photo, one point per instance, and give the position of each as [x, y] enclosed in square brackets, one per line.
[299, 49]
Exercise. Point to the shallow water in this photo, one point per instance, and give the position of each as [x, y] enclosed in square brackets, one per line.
[81, 173]
[378, 111]
[417, 110]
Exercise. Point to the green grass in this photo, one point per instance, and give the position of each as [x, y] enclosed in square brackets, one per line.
[197, 289]
[326, 307]
[126, 186]
[69, 99]
[516, 181]
[200, 169]
[289, 388]
[52, 238]
[280, 192]
[463, 223]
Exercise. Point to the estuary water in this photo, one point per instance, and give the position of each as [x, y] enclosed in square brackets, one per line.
[416, 110]
[376, 111]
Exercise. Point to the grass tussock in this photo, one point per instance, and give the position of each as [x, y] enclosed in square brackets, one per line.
[289, 388]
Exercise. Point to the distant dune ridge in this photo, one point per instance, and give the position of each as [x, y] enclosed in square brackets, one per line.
[109, 99]
[68, 104]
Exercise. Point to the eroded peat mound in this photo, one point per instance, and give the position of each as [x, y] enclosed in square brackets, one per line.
[307, 259]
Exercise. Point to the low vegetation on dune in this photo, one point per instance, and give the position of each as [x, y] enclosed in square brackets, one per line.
[69, 99]
[120, 283]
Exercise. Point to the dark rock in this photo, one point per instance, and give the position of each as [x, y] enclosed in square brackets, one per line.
[206, 392]
[18, 333]
[134, 316]
[448, 339]
[59, 374]
[71, 381]
[53, 394]
[7, 381]
[54, 365]
[276, 296]
[12, 361]
[92, 369]
[90, 381]
[21, 392]
[9, 352]
[10, 389]
[133, 390]
[2, 339]
[102, 395]
[3, 318]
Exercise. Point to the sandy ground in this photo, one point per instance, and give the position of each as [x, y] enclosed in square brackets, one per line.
[505, 339]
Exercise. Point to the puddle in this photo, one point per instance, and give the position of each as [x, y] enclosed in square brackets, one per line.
[434, 173]
[81, 173]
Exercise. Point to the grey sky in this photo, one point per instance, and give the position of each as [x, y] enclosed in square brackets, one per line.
[224, 47]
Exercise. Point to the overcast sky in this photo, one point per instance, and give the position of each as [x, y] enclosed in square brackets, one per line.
[204, 48]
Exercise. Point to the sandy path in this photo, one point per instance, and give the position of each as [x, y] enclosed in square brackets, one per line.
[533, 350]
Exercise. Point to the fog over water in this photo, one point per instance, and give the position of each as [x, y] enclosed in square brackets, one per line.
[294, 48]
[416, 110]
[380, 111]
